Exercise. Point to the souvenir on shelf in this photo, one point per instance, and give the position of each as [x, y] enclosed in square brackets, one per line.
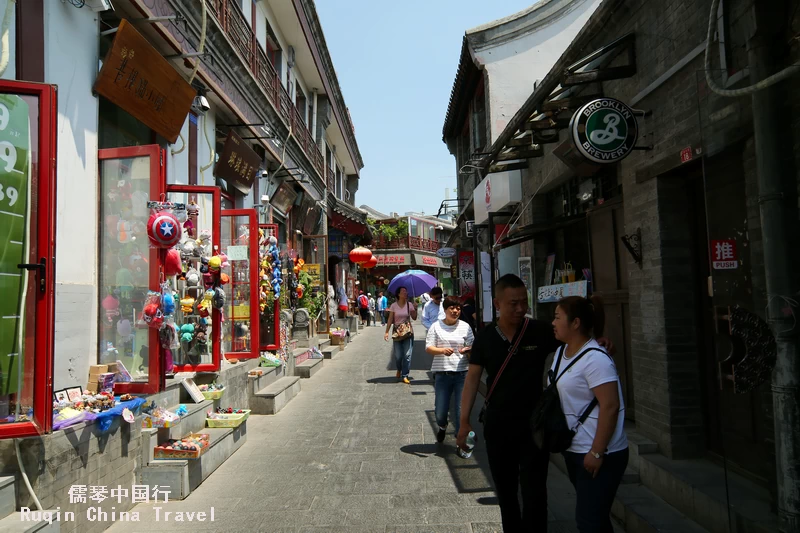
[190, 447]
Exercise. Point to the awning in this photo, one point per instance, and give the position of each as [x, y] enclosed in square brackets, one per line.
[429, 261]
[393, 259]
[348, 218]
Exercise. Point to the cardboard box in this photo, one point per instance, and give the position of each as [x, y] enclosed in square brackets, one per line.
[98, 369]
[338, 340]
[105, 382]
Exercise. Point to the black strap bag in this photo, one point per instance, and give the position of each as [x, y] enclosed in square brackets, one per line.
[548, 423]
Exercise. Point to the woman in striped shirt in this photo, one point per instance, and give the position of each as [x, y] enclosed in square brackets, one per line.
[449, 341]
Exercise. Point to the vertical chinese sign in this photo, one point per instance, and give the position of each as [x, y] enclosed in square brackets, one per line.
[526, 275]
[14, 239]
[238, 163]
[724, 255]
[466, 269]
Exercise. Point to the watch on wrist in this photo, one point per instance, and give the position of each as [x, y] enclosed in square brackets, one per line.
[595, 454]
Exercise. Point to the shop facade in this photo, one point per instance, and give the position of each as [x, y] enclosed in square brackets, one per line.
[667, 228]
[182, 191]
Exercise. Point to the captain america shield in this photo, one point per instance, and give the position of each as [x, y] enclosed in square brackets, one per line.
[163, 229]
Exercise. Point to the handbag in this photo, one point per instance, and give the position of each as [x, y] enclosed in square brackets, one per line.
[511, 352]
[548, 423]
[403, 331]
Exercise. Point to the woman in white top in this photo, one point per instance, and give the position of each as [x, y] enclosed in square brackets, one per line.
[448, 341]
[598, 455]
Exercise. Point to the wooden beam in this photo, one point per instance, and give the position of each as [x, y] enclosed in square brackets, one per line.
[572, 103]
[603, 74]
[546, 124]
[522, 141]
[506, 167]
[521, 154]
[545, 136]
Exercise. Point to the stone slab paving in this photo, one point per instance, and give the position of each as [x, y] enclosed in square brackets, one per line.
[354, 452]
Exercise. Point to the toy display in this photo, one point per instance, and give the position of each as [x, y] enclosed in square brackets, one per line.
[212, 391]
[190, 447]
[163, 229]
[158, 417]
[227, 418]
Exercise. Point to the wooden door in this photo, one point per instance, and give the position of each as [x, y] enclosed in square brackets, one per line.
[610, 281]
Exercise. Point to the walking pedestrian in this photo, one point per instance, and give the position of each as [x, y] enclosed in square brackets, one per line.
[401, 313]
[371, 309]
[433, 310]
[363, 307]
[598, 454]
[382, 305]
[513, 351]
[468, 312]
[449, 341]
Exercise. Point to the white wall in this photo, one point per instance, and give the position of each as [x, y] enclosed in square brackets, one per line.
[71, 62]
[11, 70]
[514, 66]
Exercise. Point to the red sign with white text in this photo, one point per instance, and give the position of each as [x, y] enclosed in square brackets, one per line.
[466, 270]
[724, 255]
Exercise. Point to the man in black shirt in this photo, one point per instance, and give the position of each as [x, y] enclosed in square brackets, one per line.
[514, 459]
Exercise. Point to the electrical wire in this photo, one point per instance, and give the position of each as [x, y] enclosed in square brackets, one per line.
[183, 146]
[202, 42]
[514, 223]
[213, 153]
[6, 52]
[744, 91]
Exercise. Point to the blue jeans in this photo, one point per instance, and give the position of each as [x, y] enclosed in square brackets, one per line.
[383, 317]
[446, 385]
[402, 350]
[594, 496]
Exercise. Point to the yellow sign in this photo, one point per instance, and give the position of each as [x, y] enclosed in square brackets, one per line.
[314, 271]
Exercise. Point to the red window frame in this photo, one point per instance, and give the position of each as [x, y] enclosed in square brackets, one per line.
[255, 317]
[215, 236]
[46, 233]
[276, 313]
[155, 379]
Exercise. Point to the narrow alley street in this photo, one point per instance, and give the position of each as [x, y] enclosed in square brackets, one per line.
[355, 452]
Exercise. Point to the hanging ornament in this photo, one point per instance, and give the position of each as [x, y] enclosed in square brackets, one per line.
[372, 263]
[163, 229]
[360, 255]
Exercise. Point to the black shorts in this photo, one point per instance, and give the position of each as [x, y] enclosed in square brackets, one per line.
[364, 313]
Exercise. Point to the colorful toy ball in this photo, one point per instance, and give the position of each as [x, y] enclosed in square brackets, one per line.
[172, 264]
[215, 263]
[152, 315]
[163, 229]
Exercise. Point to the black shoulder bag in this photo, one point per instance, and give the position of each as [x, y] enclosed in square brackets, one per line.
[548, 423]
[511, 352]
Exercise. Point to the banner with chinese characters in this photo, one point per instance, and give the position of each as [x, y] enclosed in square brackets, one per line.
[466, 273]
[14, 188]
[554, 293]
[138, 79]
[314, 271]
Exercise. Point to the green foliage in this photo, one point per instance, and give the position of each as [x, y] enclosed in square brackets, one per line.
[309, 302]
[391, 232]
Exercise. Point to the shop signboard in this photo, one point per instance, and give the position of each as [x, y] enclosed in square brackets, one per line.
[138, 79]
[554, 293]
[454, 270]
[724, 255]
[393, 259]
[446, 252]
[15, 182]
[496, 192]
[526, 275]
[284, 198]
[486, 286]
[469, 228]
[428, 261]
[466, 269]
[314, 271]
[604, 130]
[237, 163]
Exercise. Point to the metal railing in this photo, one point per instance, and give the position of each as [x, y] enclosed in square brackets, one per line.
[405, 243]
[241, 35]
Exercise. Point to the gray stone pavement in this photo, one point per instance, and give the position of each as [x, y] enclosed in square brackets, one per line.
[354, 452]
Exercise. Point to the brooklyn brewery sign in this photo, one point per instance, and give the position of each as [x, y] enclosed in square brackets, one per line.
[604, 130]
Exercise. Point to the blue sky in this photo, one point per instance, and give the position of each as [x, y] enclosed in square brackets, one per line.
[396, 63]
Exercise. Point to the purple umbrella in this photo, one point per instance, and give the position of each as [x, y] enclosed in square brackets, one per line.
[415, 281]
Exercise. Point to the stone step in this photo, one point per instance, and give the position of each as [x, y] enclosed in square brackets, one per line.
[192, 422]
[697, 488]
[256, 383]
[331, 351]
[631, 474]
[638, 445]
[8, 496]
[271, 399]
[308, 368]
[323, 342]
[641, 511]
[182, 476]
[26, 523]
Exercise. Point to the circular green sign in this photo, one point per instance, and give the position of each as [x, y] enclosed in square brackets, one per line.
[604, 130]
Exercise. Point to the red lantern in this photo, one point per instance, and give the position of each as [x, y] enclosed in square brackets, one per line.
[360, 255]
[372, 263]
